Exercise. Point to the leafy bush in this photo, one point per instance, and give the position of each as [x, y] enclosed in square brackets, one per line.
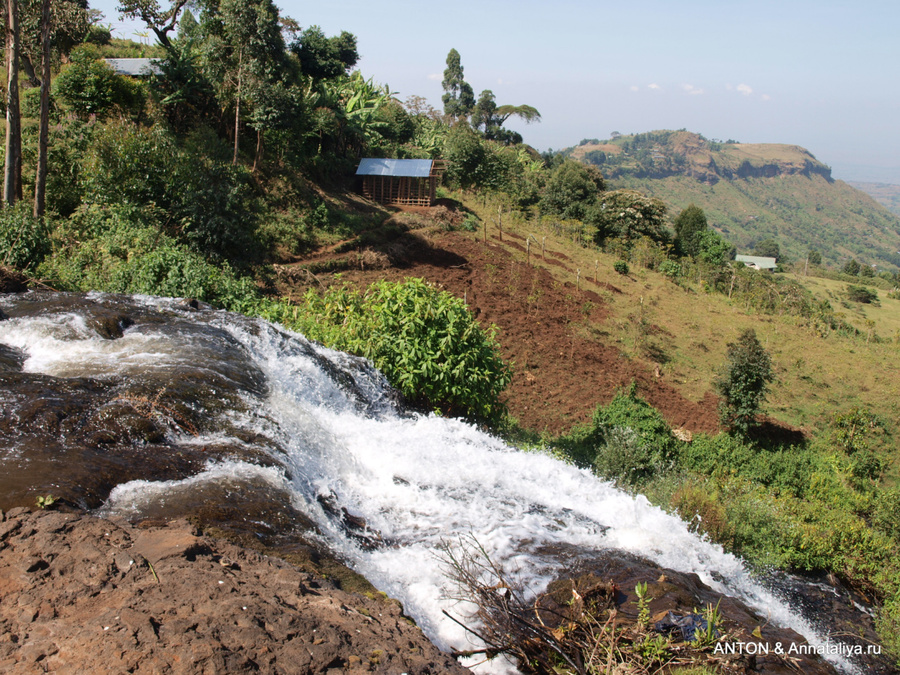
[425, 341]
[88, 86]
[861, 294]
[620, 266]
[744, 382]
[627, 440]
[629, 215]
[24, 239]
[789, 469]
[670, 268]
[120, 249]
[208, 202]
[572, 190]
[624, 458]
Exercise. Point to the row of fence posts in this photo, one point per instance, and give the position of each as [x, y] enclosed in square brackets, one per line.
[499, 222]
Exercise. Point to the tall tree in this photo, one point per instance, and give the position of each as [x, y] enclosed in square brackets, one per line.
[744, 382]
[245, 54]
[458, 98]
[489, 117]
[323, 58]
[12, 175]
[40, 182]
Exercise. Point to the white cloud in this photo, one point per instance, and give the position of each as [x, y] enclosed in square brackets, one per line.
[692, 90]
[634, 87]
[766, 97]
[745, 89]
[653, 86]
[435, 76]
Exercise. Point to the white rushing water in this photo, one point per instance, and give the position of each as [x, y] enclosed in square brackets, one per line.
[420, 481]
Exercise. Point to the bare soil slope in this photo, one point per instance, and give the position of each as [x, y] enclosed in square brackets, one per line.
[565, 364]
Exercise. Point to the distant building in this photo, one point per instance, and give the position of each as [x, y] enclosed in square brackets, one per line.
[757, 262]
[404, 182]
[134, 67]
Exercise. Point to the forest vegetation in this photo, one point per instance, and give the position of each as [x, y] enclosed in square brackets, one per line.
[237, 155]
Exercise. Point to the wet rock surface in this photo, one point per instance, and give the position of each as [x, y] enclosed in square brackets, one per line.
[83, 594]
[685, 594]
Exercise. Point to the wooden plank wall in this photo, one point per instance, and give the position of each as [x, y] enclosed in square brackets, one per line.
[400, 190]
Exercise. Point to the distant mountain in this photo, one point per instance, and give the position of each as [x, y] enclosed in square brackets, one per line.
[885, 194]
[751, 192]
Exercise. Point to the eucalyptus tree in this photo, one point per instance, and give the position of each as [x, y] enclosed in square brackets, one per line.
[12, 174]
[47, 31]
[69, 25]
[458, 98]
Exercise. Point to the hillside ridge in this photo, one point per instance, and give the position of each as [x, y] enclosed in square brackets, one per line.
[751, 192]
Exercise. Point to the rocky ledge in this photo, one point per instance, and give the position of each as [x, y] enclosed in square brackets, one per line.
[84, 594]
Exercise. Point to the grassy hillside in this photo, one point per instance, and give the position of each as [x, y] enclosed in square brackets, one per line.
[752, 192]
[885, 194]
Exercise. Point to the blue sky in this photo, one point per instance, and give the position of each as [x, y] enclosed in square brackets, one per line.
[822, 75]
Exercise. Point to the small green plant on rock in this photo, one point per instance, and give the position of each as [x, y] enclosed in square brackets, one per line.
[643, 605]
[45, 501]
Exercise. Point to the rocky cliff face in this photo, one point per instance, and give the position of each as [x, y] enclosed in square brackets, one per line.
[663, 154]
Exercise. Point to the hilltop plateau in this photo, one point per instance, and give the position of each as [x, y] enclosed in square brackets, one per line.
[751, 192]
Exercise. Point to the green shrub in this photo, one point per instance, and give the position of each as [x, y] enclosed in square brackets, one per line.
[789, 469]
[625, 459]
[620, 266]
[24, 239]
[88, 86]
[423, 339]
[744, 382]
[120, 249]
[208, 202]
[627, 441]
[670, 268]
[862, 294]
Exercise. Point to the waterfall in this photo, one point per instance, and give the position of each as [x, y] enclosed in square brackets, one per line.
[331, 426]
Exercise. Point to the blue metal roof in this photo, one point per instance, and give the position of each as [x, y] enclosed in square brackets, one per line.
[410, 168]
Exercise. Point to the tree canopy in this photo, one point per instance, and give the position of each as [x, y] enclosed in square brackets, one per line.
[630, 215]
[689, 225]
[324, 57]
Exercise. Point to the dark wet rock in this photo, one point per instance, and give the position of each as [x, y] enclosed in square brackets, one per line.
[11, 359]
[12, 280]
[83, 594]
[111, 326]
[840, 610]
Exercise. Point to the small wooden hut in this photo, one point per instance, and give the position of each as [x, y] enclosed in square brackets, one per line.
[403, 182]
